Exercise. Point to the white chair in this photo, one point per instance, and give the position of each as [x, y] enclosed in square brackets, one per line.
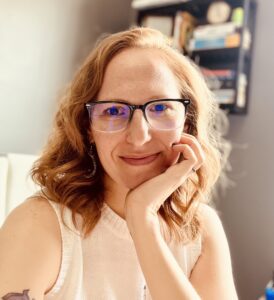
[15, 182]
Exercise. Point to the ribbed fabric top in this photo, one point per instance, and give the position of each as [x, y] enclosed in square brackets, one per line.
[104, 266]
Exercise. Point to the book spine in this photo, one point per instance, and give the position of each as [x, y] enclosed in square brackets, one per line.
[225, 96]
[202, 44]
[220, 73]
[229, 41]
[214, 31]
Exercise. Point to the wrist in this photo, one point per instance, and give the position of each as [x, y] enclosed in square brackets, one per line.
[140, 220]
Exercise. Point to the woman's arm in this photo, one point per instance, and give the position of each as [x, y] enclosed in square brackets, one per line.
[211, 277]
[164, 277]
[30, 251]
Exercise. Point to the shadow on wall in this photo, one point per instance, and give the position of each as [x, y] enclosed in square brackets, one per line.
[98, 17]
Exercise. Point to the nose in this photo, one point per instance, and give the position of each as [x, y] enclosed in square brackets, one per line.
[138, 131]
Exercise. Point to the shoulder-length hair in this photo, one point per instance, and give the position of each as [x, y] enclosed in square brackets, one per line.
[64, 168]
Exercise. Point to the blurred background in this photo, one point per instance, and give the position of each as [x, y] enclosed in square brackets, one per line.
[42, 45]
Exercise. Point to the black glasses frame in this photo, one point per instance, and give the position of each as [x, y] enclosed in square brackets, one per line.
[133, 107]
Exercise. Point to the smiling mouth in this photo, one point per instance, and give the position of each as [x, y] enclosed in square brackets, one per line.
[139, 161]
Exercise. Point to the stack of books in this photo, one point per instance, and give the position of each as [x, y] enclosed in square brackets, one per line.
[215, 36]
[222, 83]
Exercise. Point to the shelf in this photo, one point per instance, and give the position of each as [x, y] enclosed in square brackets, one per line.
[217, 56]
[175, 4]
[226, 52]
[148, 4]
[234, 58]
[234, 109]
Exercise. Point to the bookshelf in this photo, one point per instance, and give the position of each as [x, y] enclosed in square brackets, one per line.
[218, 35]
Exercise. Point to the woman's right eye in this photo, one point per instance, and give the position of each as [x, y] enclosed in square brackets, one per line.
[114, 111]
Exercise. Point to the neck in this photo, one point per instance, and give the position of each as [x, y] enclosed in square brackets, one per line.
[115, 196]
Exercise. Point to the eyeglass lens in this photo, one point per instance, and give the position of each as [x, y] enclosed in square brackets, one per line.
[161, 115]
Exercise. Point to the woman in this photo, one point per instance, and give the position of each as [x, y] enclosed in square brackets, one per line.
[128, 170]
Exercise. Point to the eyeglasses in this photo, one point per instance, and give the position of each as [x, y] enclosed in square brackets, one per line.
[161, 114]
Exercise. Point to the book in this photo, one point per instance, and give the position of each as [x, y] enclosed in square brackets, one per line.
[204, 44]
[216, 83]
[225, 96]
[219, 79]
[247, 39]
[230, 41]
[220, 73]
[241, 96]
[214, 31]
[233, 40]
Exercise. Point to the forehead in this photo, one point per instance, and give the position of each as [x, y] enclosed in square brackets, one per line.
[138, 74]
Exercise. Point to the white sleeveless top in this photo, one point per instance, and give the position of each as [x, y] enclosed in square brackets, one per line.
[104, 266]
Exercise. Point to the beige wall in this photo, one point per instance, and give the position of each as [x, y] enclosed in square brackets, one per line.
[42, 43]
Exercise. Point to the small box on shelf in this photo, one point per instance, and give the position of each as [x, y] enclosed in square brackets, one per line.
[161, 23]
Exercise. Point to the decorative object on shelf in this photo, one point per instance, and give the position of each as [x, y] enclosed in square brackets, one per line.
[218, 12]
[183, 28]
[162, 23]
[238, 16]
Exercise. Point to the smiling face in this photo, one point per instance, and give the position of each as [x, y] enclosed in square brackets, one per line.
[139, 152]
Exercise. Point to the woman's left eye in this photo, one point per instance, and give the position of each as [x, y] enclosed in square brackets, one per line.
[159, 107]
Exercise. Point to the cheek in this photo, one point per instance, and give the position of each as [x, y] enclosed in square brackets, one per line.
[172, 137]
[104, 147]
[171, 157]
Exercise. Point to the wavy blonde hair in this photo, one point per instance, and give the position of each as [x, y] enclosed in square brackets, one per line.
[64, 168]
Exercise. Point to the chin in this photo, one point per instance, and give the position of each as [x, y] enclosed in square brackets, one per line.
[132, 181]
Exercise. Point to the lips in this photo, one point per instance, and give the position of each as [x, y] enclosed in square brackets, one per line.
[140, 159]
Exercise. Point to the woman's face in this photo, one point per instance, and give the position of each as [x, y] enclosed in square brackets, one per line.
[137, 76]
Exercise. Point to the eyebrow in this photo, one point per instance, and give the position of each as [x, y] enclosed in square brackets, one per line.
[148, 99]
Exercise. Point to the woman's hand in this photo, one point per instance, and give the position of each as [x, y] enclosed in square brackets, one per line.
[143, 202]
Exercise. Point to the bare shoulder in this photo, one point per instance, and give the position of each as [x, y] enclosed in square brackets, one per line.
[30, 252]
[34, 209]
[214, 240]
[212, 274]
[211, 222]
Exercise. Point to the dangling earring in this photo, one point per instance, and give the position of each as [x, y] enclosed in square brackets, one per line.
[92, 156]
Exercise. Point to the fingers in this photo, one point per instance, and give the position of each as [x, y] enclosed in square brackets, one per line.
[189, 158]
[198, 152]
[152, 193]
